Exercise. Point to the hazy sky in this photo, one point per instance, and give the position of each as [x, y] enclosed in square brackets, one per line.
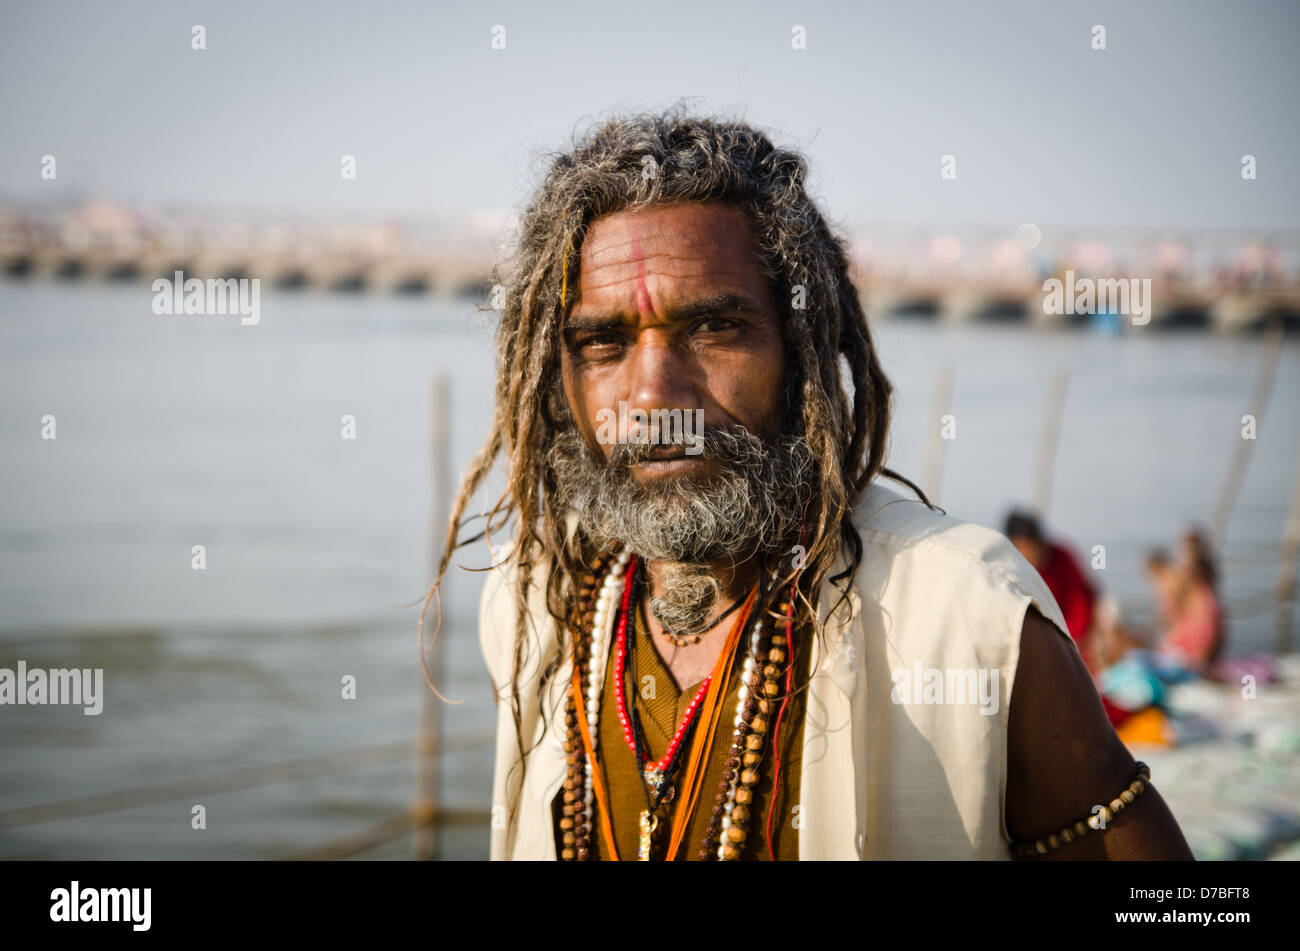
[1147, 133]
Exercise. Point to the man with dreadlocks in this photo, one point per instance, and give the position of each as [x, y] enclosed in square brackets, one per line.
[737, 643]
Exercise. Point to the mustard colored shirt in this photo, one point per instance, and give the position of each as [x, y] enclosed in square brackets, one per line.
[661, 706]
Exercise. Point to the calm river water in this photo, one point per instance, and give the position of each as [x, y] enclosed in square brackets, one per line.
[176, 432]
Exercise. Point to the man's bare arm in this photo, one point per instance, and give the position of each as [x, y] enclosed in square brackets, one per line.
[1064, 757]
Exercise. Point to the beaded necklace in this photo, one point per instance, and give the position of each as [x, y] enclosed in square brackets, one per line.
[729, 823]
[580, 743]
[658, 774]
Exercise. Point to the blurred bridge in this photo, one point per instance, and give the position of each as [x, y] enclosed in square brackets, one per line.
[1174, 305]
[325, 269]
[1216, 281]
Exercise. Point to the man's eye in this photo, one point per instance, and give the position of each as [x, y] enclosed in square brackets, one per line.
[715, 324]
[600, 341]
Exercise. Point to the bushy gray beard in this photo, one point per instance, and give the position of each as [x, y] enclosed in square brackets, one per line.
[753, 504]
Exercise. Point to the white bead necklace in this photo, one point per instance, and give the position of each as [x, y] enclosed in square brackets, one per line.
[611, 590]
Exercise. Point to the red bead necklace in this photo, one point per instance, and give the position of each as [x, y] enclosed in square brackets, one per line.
[654, 772]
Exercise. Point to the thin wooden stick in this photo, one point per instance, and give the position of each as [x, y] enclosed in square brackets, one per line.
[424, 844]
[1242, 450]
[1286, 581]
[1048, 440]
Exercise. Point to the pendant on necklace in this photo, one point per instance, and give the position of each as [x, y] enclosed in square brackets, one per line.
[660, 789]
[648, 825]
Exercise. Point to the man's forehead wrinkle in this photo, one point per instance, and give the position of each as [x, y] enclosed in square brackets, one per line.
[668, 296]
[592, 283]
[622, 233]
[692, 305]
[637, 247]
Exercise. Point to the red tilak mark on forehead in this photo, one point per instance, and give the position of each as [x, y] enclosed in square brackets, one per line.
[642, 295]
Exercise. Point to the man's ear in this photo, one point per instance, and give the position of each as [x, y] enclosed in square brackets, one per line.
[559, 414]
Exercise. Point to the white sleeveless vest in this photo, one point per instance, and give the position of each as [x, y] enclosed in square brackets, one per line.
[905, 734]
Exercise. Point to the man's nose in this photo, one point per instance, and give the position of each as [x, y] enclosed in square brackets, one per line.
[661, 377]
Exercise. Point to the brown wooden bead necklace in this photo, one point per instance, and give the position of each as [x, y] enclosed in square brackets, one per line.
[729, 823]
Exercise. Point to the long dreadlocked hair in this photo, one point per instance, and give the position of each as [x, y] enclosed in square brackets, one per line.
[628, 163]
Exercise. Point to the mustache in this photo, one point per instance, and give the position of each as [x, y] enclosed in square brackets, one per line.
[729, 443]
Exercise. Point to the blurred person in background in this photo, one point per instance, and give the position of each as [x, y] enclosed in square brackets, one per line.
[1164, 582]
[1135, 679]
[1114, 637]
[1195, 635]
[1075, 595]
[1189, 615]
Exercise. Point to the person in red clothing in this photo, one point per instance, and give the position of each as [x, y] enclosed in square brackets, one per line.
[1073, 592]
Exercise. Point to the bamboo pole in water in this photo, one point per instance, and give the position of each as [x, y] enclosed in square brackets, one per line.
[941, 396]
[1048, 439]
[424, 843]
[1241, 451]
[1286, 581]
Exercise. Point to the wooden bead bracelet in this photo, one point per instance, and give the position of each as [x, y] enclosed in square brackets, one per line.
[1097, 821]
